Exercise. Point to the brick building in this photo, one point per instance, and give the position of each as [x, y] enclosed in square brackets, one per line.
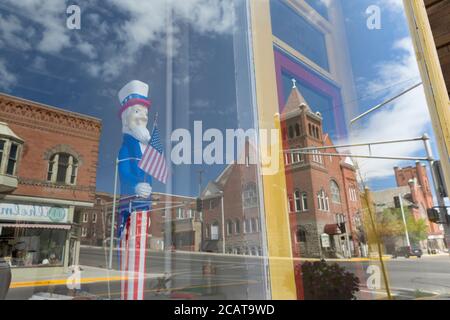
[322, 195]
[95, 222]
[48, 163]
[231, 212]
[420, 195]
[183, 221]
[323, 191]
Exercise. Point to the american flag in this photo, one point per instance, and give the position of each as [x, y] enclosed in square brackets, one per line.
[153, 161]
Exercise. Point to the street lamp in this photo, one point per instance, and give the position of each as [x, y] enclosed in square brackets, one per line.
[113, 216]
[400, 196]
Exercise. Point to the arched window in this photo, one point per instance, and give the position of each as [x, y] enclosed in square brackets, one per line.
[62, 169]
[237, 226]
[229, 227]
[247, 226]
[254, 225]
[215, 231]
[297, 129]
[300, 235]
[249, 196]
[305, 201]
[310, 129]
[291, 132]
[297, 201]
[322, 199]
[335, 192]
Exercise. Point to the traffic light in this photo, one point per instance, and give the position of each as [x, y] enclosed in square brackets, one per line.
[199, 205]
[433, 215]
[397, 202]
[439, 179]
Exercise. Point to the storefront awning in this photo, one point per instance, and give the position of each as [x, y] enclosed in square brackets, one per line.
[332, 229]
[36, 226]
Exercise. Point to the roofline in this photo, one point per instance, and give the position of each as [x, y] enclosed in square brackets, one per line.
[53, 108]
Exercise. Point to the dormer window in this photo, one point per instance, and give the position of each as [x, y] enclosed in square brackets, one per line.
[10, 146]
[62, 169]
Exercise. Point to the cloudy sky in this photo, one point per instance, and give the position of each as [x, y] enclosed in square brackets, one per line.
[120, 40]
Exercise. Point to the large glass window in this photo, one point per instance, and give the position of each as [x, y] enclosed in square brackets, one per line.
[296, 31]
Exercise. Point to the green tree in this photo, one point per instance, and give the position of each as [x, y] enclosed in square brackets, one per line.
[417, 229]
[389, 223]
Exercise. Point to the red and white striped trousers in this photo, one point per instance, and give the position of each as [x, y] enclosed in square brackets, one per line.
[133, 255]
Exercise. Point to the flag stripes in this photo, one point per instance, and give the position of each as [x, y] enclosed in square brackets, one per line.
[133, 256]
[153, 161]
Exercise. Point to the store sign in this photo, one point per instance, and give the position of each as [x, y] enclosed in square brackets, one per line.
[325, 240]
[26, 212]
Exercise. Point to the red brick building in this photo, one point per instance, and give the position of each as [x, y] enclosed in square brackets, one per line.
[322, 195]
[323, 192]
[231, 212]
[420, 195]
[48, 164]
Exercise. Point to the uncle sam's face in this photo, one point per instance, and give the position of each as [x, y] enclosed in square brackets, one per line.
[138, 117]
[135, 120]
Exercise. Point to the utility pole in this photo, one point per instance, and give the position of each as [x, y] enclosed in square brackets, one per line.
[433, 79]
[440, 200]
[200, 181]
[400, 197]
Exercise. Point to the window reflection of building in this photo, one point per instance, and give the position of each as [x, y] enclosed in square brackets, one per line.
[43, 188]
[62, 168]
[321, 177]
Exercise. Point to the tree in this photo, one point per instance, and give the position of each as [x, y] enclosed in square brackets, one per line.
[389, 223]
[417, 229]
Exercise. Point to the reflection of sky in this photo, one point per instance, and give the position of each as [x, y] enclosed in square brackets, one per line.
[86, 79]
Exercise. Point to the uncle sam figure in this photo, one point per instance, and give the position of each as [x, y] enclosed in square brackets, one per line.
[135, 188]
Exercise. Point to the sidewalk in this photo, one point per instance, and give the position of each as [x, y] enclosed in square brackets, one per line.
[88, 275]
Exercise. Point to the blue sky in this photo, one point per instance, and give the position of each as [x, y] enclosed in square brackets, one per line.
[82, 70]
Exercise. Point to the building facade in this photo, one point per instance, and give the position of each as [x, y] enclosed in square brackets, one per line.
[416, 178]
[323, 196]
[48, 169]
[413, 190]
[169, 212]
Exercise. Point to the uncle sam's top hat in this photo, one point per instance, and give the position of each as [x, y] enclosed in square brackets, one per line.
[133, 93]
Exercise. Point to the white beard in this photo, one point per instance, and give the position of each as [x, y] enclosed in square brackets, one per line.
[139, 133]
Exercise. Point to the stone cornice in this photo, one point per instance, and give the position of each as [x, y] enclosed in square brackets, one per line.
[48, 118]
[42, 183]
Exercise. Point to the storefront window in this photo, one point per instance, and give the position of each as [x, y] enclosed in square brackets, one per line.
[230, 147]
[31, 247]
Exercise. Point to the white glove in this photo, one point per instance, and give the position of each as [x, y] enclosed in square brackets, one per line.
[143, 190]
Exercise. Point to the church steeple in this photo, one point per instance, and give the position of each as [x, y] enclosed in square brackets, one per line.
[295, 101]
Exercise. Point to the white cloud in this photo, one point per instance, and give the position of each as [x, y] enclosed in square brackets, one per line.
[392, 5]
[7, 79]
[13, 34]
[147, 26]
[122, 28]
[406, 117]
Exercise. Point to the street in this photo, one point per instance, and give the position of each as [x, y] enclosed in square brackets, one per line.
[215, 276]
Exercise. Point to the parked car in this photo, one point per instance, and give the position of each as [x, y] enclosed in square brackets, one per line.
[407, 252]
[5, 278]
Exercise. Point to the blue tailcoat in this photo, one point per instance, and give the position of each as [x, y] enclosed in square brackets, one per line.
[130, 176]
